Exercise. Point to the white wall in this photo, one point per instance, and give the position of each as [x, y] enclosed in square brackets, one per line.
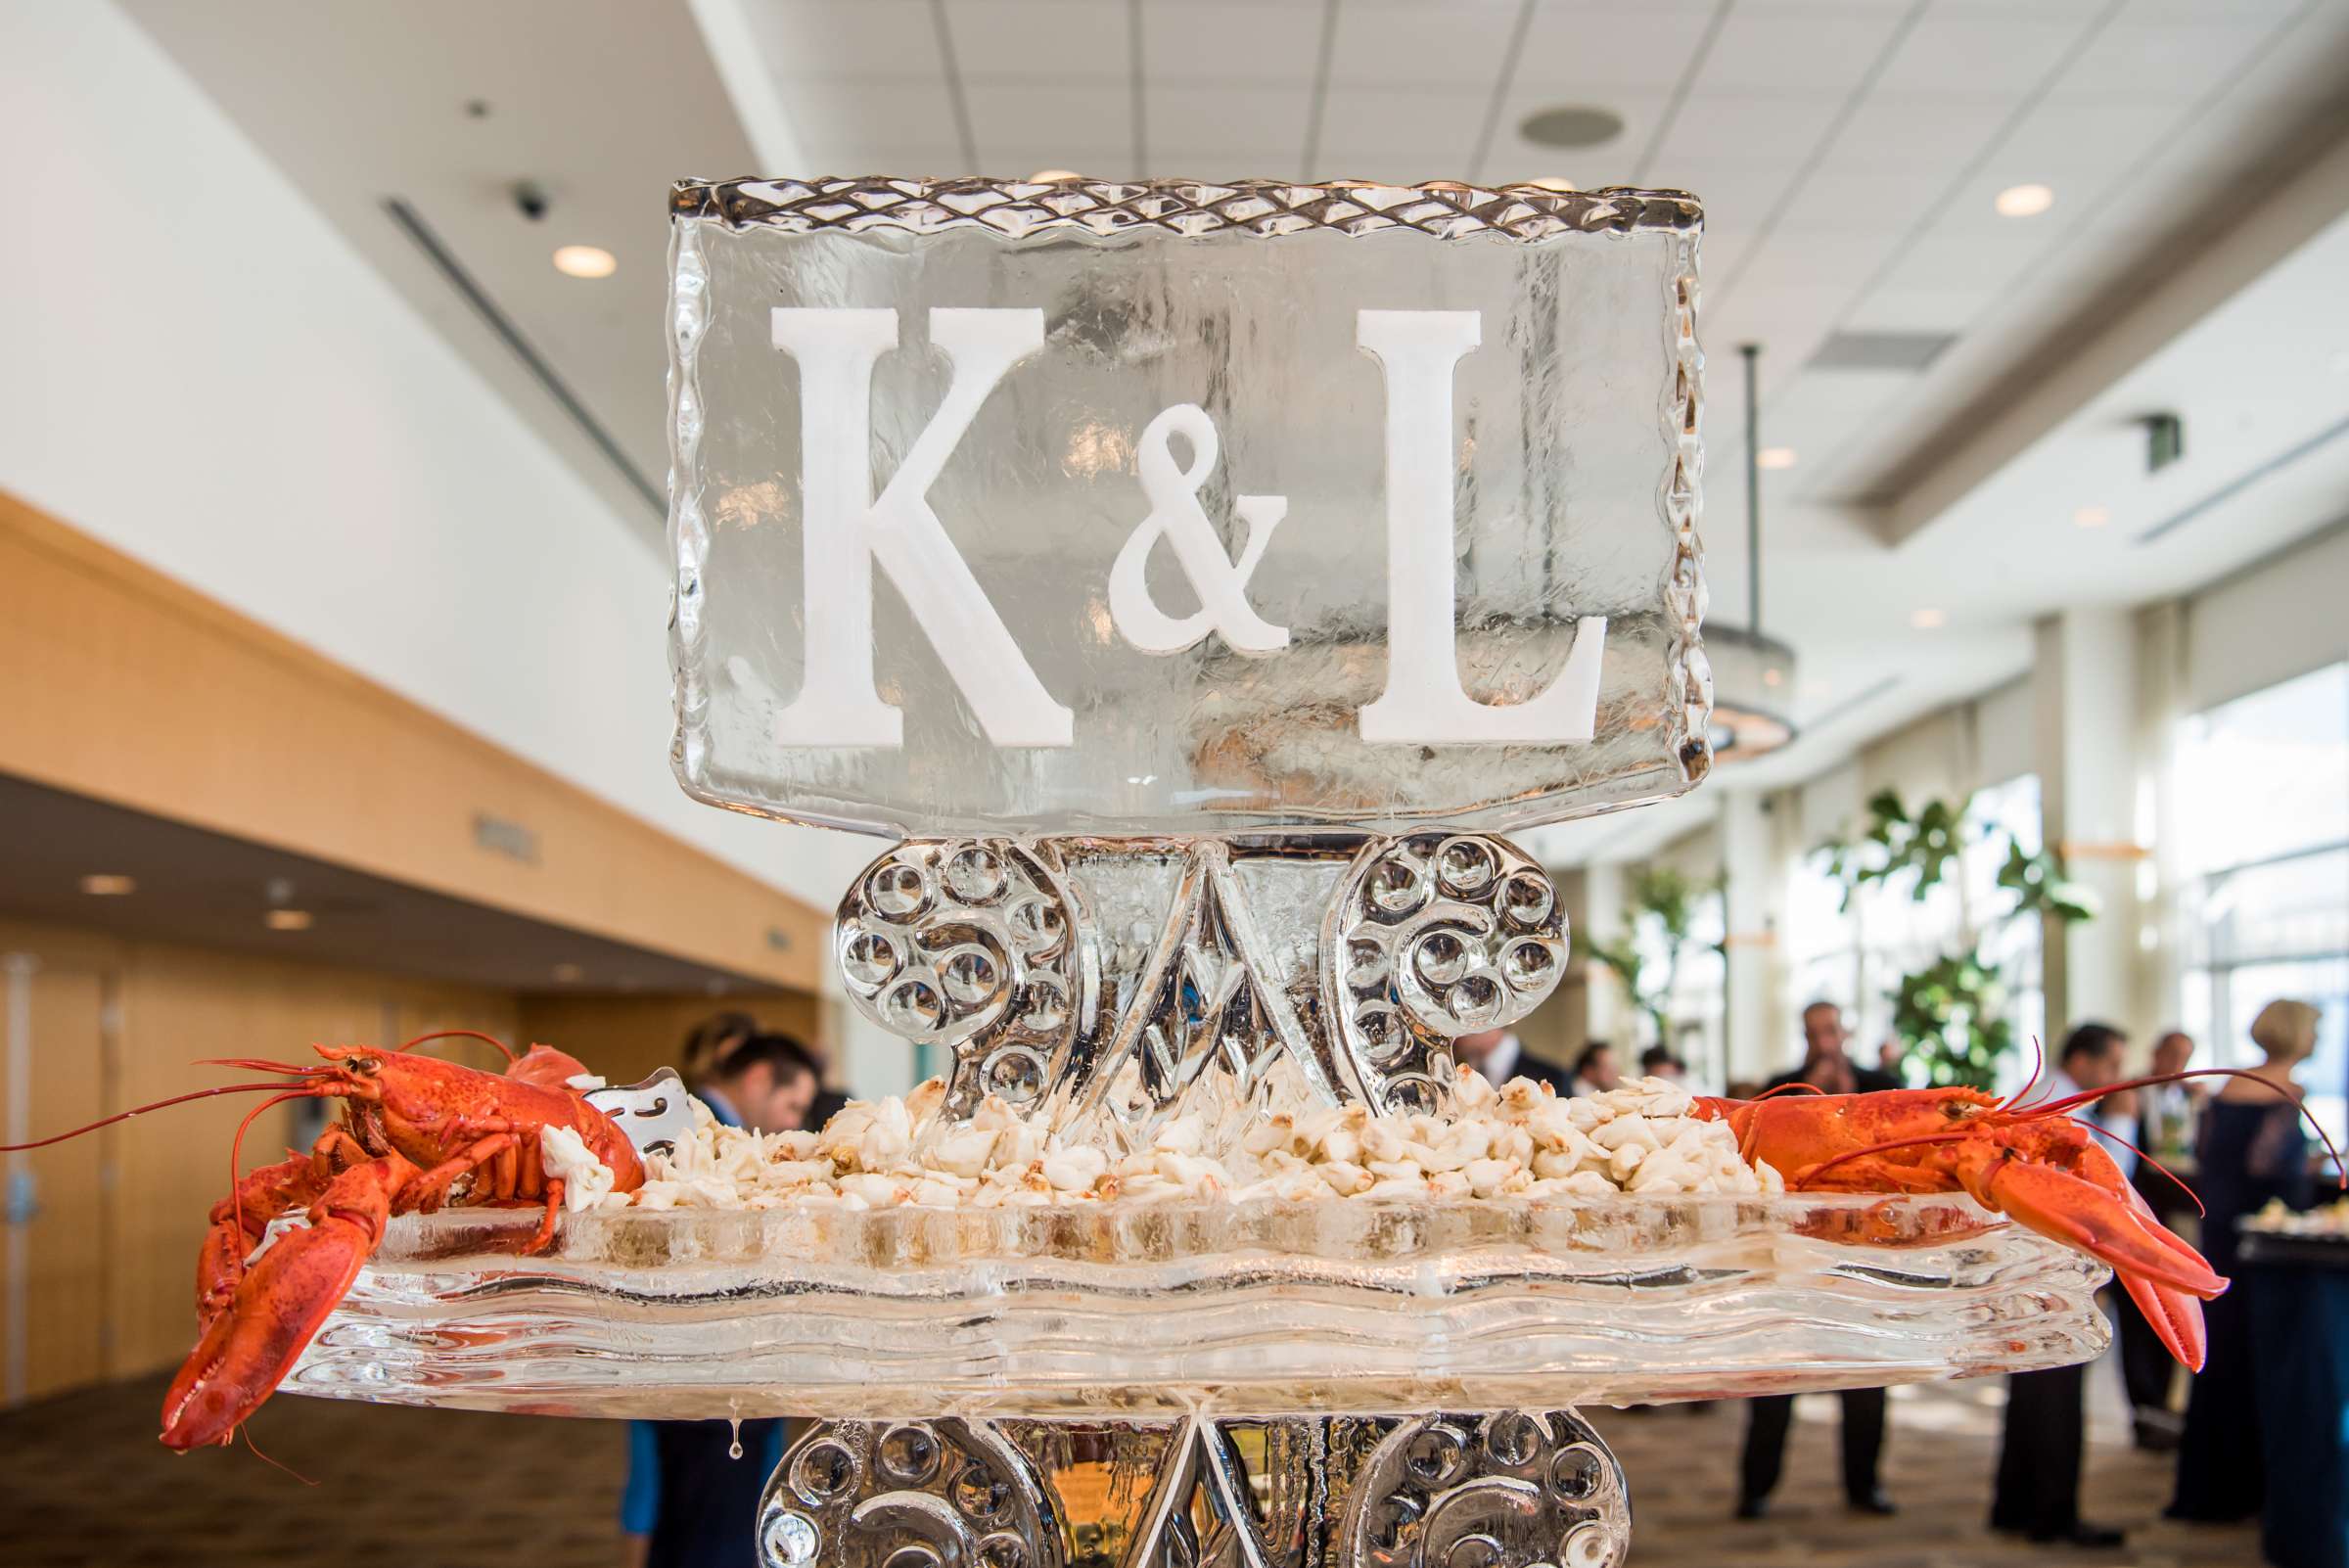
[204, 373]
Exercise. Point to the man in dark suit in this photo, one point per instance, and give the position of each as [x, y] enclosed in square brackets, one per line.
[1828, 1068]
[2040, 1441]
[1499, 1055]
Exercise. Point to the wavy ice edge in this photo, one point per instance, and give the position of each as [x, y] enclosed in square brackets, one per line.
[1237, 1309]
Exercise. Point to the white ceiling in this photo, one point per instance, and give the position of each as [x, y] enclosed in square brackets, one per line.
[1847, 152]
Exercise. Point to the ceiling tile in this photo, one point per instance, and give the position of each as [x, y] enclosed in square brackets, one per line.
[1232, 42]
[1268, 122]
[2098, 137]
[874, 39]
[1748, 128]
[2145, 60]
[1880, 203]
[1797, 48]
[1895, 309]
[826, 113]
[1735, 195]
[1926, 137]
[1941, 262]
[1082, 117]
[1039, 38]
[1824, 257]
[1438, 125]
[1182, 160]
[1611, 163]
[1581, 53]
[1984, 50]
[1460, 44]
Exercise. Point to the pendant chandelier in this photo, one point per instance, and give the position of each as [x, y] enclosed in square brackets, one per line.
[1753, 675]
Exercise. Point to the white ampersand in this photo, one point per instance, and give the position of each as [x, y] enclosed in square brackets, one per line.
[1174, 512]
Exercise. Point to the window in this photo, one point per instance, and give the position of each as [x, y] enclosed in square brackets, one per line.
[2263, 835]
[1857, 957]
[1999, 815]
[1823, 941]
[1699, 1006]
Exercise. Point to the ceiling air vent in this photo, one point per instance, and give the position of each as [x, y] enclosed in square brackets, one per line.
[1895, 352]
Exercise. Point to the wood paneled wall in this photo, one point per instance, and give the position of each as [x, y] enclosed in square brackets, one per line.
[111, 1258]
[115, 1024]
[129, 687]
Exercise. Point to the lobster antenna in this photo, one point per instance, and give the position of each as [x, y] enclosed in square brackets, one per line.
[2154, 1079]
[2039, 1065]
[1785, 1088]
[458, 1034]
[235, 1146]
[141, 1110]
[245, 1432]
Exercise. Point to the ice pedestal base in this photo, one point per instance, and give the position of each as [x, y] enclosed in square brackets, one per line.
[1506, 1488]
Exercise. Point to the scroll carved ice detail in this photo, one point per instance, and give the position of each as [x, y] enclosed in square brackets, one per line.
[1119, 974]
[1435, 935]
[1509, 1489]
[1512, 1489]
[944, 1494]
[971, 943]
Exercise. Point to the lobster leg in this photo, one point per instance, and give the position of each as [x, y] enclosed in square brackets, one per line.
[278, 1304]
[498, 1158]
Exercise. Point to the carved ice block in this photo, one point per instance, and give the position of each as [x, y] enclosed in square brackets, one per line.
[1185, 509]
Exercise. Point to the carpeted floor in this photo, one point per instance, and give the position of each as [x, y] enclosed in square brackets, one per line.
[82, 1482]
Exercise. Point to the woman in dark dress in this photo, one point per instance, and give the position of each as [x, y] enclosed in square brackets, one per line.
[2252, 1149]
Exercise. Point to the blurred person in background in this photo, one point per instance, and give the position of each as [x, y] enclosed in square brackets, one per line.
[1594, 1070]
[1498, 1055]
[2252, 1149]
[1828, 1068]
[2166, 1114]
[1827, 1064]
[1891, 1059]
[710, 1042]
[1658, 1061]
[692, 1495]
[2039, 1443]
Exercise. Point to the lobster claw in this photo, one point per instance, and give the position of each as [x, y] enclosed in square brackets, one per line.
[2097, 1210]
[278, 1304]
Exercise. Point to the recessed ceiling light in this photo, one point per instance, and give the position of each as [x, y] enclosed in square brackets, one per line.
[1571, 125]
[584, 262]
[287, 920]
[2024, 201]
[1929, 619]
[1553, 182]
[1773, 677]
[108, 885]
[1775, 457]
[567, 973]
[2092, 517]
[1046, 176]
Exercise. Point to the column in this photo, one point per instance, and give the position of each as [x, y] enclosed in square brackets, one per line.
[1608, 1011]
[1754, 895]
[2085, 741]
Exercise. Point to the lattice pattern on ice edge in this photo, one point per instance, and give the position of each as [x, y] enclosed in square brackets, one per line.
[1442, 210]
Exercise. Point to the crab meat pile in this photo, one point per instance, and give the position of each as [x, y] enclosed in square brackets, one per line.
[1518, 1141]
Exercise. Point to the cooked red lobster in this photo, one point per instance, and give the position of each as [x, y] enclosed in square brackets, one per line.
[2033, 1162]
[416, 1133]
